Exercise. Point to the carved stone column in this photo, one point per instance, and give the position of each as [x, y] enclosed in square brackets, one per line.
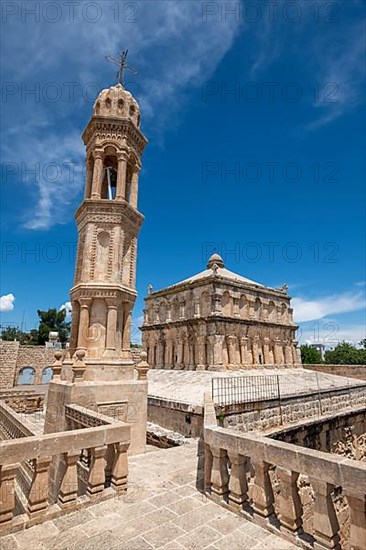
[7, 492]
[238, 487]
[121, 176]
[84, 323]
[288, 354]
[289, 503]
[357, 511]
[255, 350]
[168, 361]
[216, 304]
[201, 355]
[244, 351]
[69, 486]
[111, 326]
[219, 474]
[231, 347]
[278, 355]
[251, 309]
[160, 354]
[134, 187]
[38, 494]
[120, 468]
[179, 352]
[97, 175]
[236, 311]
[326, 526]
[216, 343]
[74, 326]
[262, 493]
[126, 337]
[197, 309]
[169, 312]
[157, 317]
[182, 310]
[266, 355]
[96, 477]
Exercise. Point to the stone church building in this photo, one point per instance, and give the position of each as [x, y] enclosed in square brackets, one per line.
[218, 320]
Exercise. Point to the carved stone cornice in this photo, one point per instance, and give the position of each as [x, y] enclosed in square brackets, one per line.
[120, 293]
[105, 129]
[104, 211]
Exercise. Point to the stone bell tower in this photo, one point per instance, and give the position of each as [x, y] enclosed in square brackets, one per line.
[108, 225]
[99, 371]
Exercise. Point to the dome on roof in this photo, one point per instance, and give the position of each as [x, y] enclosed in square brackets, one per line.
[117, 102]
[215, 259]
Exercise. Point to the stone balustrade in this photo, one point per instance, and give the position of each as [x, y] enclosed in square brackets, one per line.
[258, 478]
[106, 447]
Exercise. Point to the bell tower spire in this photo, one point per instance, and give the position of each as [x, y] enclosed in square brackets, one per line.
[108, 224]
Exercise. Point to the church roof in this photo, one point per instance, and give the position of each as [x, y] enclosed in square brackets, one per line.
[216, 267]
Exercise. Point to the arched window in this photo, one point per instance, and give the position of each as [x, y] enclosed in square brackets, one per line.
[271, 311]
[27, 376]
[47, 375]
[243, 306]
[109, 183]
[258, 308]
[226, 304]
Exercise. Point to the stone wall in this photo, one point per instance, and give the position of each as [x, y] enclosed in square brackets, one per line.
[183, 418]
[14, 357]
[38, 357]
[324, 434]
[351, 371]
[8, 359]
[270, 414]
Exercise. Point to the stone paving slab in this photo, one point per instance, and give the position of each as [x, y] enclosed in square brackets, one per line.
[190, 386]
[163, 509]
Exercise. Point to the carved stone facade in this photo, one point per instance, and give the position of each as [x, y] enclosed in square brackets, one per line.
[99, 371]
[219, 320]
[108, 224]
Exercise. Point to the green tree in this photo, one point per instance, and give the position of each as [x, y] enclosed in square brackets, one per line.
[13, 333]
[310, 355]
[344, 354]
[52, 320]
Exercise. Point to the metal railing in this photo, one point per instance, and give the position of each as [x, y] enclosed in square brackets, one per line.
[232, 390]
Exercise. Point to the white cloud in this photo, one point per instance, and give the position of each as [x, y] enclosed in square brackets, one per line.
[330, 333]
[310, 309]
[67, 307]
[7, 302]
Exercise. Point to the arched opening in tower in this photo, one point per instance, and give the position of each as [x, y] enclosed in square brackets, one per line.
[109, 183]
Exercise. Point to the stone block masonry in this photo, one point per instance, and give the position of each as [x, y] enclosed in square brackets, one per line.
[14, 357]
[8, 361]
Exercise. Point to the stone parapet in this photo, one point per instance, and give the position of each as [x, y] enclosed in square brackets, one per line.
[351, 371]
[257, 477]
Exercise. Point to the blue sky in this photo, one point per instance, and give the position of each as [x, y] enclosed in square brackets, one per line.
[255, 117]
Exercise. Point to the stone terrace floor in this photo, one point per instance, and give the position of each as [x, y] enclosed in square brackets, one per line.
[163, 509]
[190, 386]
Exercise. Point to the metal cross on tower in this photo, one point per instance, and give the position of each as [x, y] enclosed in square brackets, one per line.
[123, 67]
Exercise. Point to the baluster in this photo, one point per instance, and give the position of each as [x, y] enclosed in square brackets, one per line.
[69, 485]
[38, 494]
[208, 468]
[219, 474]
[238, 487]
[262, 493]
[289, 503]
[7, 492]
[357, 512]
[120, 468]
[326, 526]
[96, 477]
